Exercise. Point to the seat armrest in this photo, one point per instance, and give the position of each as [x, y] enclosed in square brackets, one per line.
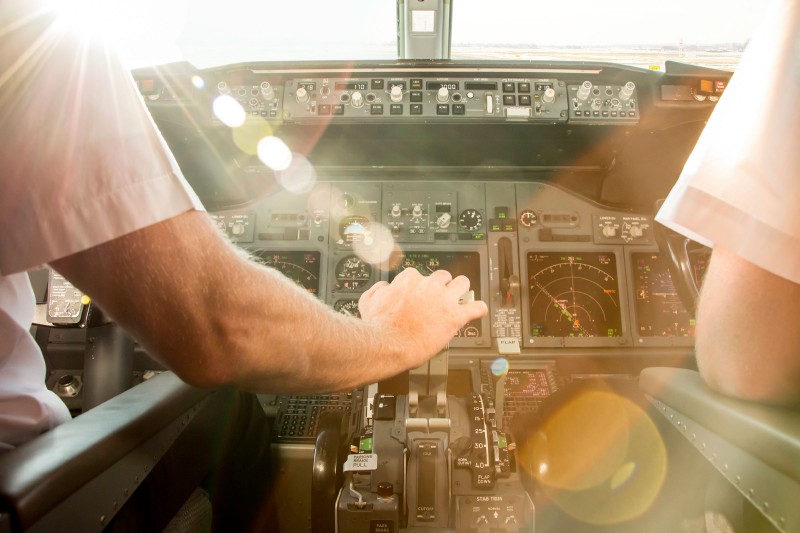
[769, 433]
[41, 474]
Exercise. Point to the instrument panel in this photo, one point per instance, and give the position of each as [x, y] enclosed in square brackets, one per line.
[557, 271]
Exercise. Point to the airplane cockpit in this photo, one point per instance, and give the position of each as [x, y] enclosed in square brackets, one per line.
[521, 156]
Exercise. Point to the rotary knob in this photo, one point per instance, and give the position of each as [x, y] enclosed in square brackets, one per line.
[443, 95]
[609, 231]
[584, 90]
[357, 99]
[396, 93]
[443, 221]
[396, 211]
[627, 91]
[636, 232]
[549, 95]
[267, 91]
[301, 95]
[416, 211]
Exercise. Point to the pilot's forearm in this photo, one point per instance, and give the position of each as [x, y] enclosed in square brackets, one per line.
[747, 343]
[215, 318]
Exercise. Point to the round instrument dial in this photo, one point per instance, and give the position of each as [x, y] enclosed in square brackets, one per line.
[574, 295]
[355, 230]
[527, 218]
[470, 219]
[348, 307]
[352, 273]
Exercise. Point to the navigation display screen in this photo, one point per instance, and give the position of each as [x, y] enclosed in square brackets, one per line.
[574, 295]
[457, 263]
[300, 267]
[657, 306]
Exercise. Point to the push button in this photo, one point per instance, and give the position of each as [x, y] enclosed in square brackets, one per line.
[509, 99]
[415, 96]
[442, 109]
[416, 109]
[396, 109]
[509, 87]
[459, 109]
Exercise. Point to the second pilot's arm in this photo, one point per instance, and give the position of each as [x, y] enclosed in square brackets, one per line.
[739, 193]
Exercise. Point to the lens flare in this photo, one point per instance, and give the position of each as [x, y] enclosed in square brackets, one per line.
[299, 177]
[499, 366]
[198, 82]
[229, 111]
[599, 458]
[377, 246]
[274, 153]
[249, 135]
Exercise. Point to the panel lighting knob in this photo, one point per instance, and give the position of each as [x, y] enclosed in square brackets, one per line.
[636, 232]
[443, 95]
[597, 104]
[301, 95]
[267, 91]
[357, 99]
[222, 87]
[549, 95]
[584, 90]
[443, 221]
[609, 232]
[627, 91]
[396, 93]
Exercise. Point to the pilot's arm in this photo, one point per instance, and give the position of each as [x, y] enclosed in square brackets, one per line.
[748, 335]
[216, 318]
[89, 187]
[739, 193]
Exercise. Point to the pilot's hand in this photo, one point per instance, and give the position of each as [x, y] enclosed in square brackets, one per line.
[420, 313]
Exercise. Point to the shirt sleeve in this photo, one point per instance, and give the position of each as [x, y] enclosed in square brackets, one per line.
[741, 185]
[81, 160]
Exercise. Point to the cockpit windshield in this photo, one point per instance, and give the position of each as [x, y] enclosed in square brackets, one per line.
[631, 32]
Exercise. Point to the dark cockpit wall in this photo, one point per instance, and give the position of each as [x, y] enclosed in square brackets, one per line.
[529, 182]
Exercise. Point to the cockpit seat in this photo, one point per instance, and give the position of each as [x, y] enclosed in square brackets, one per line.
[78, 476]
[755, 447]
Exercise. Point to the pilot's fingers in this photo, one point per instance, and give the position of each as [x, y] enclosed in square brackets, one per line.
[442, 276]
[369, 293]
[473, 310]
[458, 286]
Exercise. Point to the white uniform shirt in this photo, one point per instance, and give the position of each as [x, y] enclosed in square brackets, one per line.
[740, 188]
[81, 163]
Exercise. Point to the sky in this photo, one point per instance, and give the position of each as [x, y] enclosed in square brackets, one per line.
[210, 32]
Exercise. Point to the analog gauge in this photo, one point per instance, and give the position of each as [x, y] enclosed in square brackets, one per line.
[355, 230]
[300, 267]
[574, 295]
[352, 273]
[527, 218]
[470, 219]
[348, 307]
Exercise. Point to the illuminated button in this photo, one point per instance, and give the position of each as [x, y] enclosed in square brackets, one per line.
[595, 113]
[416, 109]
[459, 109]
[416, 96]
[509, 87]
[376, 109]
[338, 109]
[613, 113]
[524, 99]
[416, 83]
[376, 84]
[632, 114]
[396, 109]
[442, 109]
[524, 87]
[623, 113]
[605, 113]
[324, 109]
[509, 99]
